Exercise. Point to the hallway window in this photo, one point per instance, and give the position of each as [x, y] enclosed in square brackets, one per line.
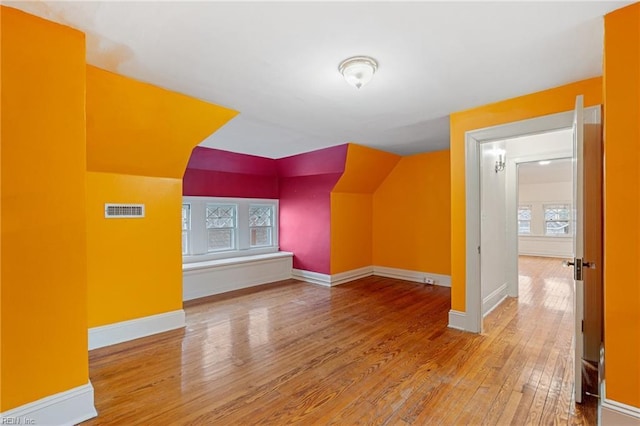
[524, 220]
[557, 218]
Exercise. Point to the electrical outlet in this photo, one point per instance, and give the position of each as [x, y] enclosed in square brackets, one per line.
[429, 280]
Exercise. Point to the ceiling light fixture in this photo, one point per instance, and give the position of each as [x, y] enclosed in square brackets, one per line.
[358, 70]
[544, 162]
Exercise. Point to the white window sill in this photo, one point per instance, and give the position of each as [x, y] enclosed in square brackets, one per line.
[205, 264]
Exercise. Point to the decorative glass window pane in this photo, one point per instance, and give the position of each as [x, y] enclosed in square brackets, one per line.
[557, 227]
[524, 213]
[221, 226]
[186, 227]
[524, 219]
[261, 223]
[260, 237]
[559, 212]
[557, 219]
[220, 239]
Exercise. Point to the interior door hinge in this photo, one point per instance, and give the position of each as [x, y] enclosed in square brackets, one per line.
[582, 326]
[478, 249]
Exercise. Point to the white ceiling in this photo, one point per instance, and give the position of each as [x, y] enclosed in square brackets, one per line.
[555, 171]
[277, 63]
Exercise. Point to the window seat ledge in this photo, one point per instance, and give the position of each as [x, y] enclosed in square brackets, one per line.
[208, 264]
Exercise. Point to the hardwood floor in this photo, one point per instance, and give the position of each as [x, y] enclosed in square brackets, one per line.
[373, 351]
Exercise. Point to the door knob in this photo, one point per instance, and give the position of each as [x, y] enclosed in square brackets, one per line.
[590, 265]
[567, 263]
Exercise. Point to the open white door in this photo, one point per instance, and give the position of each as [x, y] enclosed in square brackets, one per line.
[578, 241]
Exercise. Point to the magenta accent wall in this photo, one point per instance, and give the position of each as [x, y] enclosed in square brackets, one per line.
[305, 220]
[303, 184]
[306, 181]
[217, 173]
[323, 161]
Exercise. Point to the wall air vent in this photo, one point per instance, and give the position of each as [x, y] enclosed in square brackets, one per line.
[113, 211]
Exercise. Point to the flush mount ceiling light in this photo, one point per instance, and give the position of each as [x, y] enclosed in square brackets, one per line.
[358, 70]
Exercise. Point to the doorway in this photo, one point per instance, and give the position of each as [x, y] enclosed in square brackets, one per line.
[477, 145]
[499, 188]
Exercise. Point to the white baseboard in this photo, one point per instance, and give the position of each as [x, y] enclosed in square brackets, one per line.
[331, 280]
[354, 274]
[545, 254]
[65, 408]
[311, 277]
[457, 320]
[494, 299]
[382, 271]
[119, 332]
[614, 413]
[415, 276]
[221, 276]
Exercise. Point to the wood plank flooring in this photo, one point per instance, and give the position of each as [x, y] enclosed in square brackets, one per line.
[375, 351]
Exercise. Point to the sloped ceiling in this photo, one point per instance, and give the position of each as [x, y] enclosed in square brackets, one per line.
[277, 63]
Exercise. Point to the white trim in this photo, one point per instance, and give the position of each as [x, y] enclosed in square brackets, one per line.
[219, 263]
[457, 320]
[473, 140]
[616, 413]
[381, 271]
[331, 280]
[494, 299]
[311, 277]
[354, 274]
[211, 277]
[544, 254]
[65, 408]
[415, 276]
[119, 332]
[198, 239]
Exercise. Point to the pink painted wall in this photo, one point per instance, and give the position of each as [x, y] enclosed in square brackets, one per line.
[305, 220]
[323, 161]
[306, 181]
[217, 173]
[302, 183]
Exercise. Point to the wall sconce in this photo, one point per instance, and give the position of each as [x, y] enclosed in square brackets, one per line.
[501, 161]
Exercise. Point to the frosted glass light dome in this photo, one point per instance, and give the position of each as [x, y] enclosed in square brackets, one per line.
[358, 70]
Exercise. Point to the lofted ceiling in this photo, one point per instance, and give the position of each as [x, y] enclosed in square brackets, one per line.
[277, 63]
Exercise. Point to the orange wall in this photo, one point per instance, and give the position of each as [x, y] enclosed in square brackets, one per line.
[352, 207]
[621, 205]
[134, 265]
[139, 139]
[44, 289]
[351, 240]
[537, 104]
[139, 129]
[411, 215]
[365, 169]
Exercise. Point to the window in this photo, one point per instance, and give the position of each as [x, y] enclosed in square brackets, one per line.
[186, 227]
[260, 225]
[221, 227]
[524, 220]
[218, 228]
[556, 219]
